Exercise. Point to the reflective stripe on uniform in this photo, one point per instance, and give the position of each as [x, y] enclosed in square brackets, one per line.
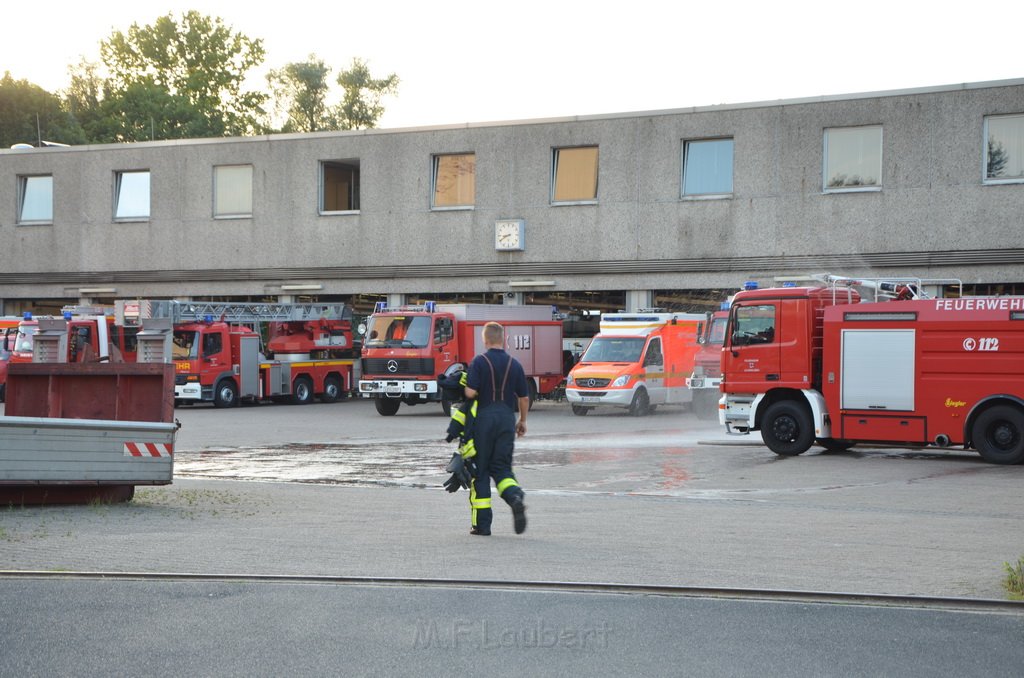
[467, 450]
[507, 483]
[459, 416]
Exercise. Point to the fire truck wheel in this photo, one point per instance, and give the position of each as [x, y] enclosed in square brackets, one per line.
[835, 445]
[999, 435]
[641, 405]
[787, 428]
[531, 387]
[226, 394]
[332, 390]
[580, 411]
[387, 407]
[302, 391]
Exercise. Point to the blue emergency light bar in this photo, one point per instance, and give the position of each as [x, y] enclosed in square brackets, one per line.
[27, 315]
[750, 285]
[67, 315]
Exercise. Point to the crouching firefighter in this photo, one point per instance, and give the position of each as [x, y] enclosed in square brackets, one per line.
[497, 383]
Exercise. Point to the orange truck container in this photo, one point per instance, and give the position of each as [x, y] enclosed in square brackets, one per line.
[637, 361]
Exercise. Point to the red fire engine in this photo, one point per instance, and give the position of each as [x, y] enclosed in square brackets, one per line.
[94, 334]
[806, 364]
[405, 349]
[707, 366]
[219, 355]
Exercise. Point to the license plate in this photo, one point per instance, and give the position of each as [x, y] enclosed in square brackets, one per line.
[396, 390]
[590, 399]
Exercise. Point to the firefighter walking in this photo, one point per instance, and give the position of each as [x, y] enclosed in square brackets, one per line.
[498, 383]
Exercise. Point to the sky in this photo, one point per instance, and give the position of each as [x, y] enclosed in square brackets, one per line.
[478, 61]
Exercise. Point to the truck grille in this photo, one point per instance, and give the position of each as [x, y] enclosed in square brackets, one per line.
[588, 382]
[378, 367]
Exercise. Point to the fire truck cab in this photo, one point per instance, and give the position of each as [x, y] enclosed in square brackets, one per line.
[405, 349]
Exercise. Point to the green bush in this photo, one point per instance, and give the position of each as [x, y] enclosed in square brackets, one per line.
[1015, 579]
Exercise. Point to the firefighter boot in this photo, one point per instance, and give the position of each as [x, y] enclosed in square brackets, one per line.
[518, 512]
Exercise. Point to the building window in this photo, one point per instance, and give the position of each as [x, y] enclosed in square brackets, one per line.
[454, 179]
[574, 174]
[1004, 149]
[131, 196]
[339, 186]
[232, 191]
[707, 168]
[35, 200]
[853, 158]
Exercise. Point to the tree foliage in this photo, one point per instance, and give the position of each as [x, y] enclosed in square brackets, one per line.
[301, 90]
[183, 77]
[192, 68]
[360, 106]
[29, 114]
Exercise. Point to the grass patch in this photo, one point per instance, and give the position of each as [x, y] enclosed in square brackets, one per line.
[1014, 582]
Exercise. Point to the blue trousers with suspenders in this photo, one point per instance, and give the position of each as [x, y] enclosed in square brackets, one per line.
[494, 439]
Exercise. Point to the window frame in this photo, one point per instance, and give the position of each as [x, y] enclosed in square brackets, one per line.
[357, 185]
[435, 166]
[985, 179]
[555, 153]
[23, 192]
[864, 188]
[251, 196]
[118, 184]
[685, 155]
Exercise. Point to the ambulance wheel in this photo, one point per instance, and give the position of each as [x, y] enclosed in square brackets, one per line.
[580, 411]
[226, 394]
[787, 429]
[641, 405]
[302, 391]
[999, 435]
[332, 390]
[386, 407]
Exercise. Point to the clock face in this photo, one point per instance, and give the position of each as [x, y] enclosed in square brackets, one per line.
[508, 235]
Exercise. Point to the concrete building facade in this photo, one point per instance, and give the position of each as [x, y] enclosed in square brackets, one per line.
[926, 183]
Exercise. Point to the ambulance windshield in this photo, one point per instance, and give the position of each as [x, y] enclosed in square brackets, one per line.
[614, 350]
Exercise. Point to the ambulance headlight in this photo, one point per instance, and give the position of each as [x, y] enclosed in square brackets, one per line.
[568, 380]
[621, 381]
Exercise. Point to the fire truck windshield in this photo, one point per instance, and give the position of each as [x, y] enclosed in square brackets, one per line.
[614, 350]
[398, 331]
[26, 334]
[186, 345]
[717, 335]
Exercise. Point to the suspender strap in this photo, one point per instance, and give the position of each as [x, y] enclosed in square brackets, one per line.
[494, 380]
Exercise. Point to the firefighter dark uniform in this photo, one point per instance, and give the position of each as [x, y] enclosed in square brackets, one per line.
[499, 381]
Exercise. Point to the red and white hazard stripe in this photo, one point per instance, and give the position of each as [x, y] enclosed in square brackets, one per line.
[148, 450]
